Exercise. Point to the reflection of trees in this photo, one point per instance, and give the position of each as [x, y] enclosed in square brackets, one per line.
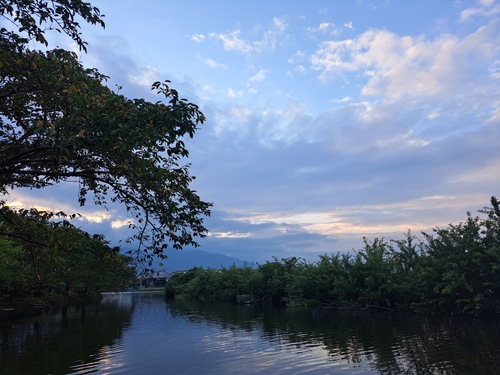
[225, 315]
[389, 343]
[64, 338]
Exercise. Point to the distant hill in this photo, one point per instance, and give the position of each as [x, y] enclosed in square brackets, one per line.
[187, 259]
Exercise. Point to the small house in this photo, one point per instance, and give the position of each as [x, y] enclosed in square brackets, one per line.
[155, 279]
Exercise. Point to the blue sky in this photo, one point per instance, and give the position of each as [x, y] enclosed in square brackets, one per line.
[326, 121]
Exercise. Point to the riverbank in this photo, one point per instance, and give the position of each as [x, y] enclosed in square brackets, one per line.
[32, 306]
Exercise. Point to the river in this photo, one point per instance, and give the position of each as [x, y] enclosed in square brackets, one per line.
[142, 333]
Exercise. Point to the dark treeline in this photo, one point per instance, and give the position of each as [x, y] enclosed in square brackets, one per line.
[452, 270]
[50, 260]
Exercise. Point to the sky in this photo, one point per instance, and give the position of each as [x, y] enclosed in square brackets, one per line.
[327, 121]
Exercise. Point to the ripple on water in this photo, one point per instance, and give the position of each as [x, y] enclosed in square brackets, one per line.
[145, 335]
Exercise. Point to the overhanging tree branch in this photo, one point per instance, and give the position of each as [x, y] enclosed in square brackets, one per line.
[59, 121]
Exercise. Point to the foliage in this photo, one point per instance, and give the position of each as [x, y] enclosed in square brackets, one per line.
[14, 273]
[220, 285]
[30, 16]
[455, 270]
[75, 263]
[463, 264]
[59, 122]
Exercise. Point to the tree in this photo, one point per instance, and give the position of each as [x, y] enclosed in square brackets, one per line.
[59, 122]
[463, 264]
[14, 272]
[72, 264]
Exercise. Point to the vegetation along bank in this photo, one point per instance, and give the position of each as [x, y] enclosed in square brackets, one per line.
[453, 270]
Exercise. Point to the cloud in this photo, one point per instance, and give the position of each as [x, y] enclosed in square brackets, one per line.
[260, 242]
[274, 36]
[234, 94]
[232, 42]
[297, 57]
[324, 28]
[213, 64]
[260, 75]
[343, 100]
[300, 69]
[340, 223]
[115, 224]
[396, 66]
[486, 174]
[362, 168]
[484, 9]
[229, 234]
[146, 77]
[198, 37]
[209, 89]
[112, 223]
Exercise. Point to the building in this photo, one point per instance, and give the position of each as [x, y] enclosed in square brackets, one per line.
[156, 279]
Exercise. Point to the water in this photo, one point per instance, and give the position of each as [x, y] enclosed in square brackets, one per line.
[144, 334]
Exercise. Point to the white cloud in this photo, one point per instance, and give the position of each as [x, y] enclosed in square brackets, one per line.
[234, 119]
[270, 38]
[495, 115]
[343, 100]
[96, 217]
[279, 24]
[348, 25]
[22, 199]
[241, 114]
[145, 77]
[324, 28]
[214, 64]
[368, 220]
[374, 48]
[116, 224]
[260, 76]
[198, 37]
[402, 140]
[234, 94]
[397, 66]
[298, 56]
[495, 69]
[300, 69]
[232, 42]
[229, 234]
[486, 174]
[483, 9]
[209, 89]
[433, 115]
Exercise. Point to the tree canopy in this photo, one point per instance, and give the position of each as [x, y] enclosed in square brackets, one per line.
[59, 122]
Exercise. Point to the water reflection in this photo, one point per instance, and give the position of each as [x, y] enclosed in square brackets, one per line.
[62, 340]
[379, 342]
[144, 334]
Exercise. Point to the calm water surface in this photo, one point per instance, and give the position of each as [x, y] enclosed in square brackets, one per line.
[145, 334]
